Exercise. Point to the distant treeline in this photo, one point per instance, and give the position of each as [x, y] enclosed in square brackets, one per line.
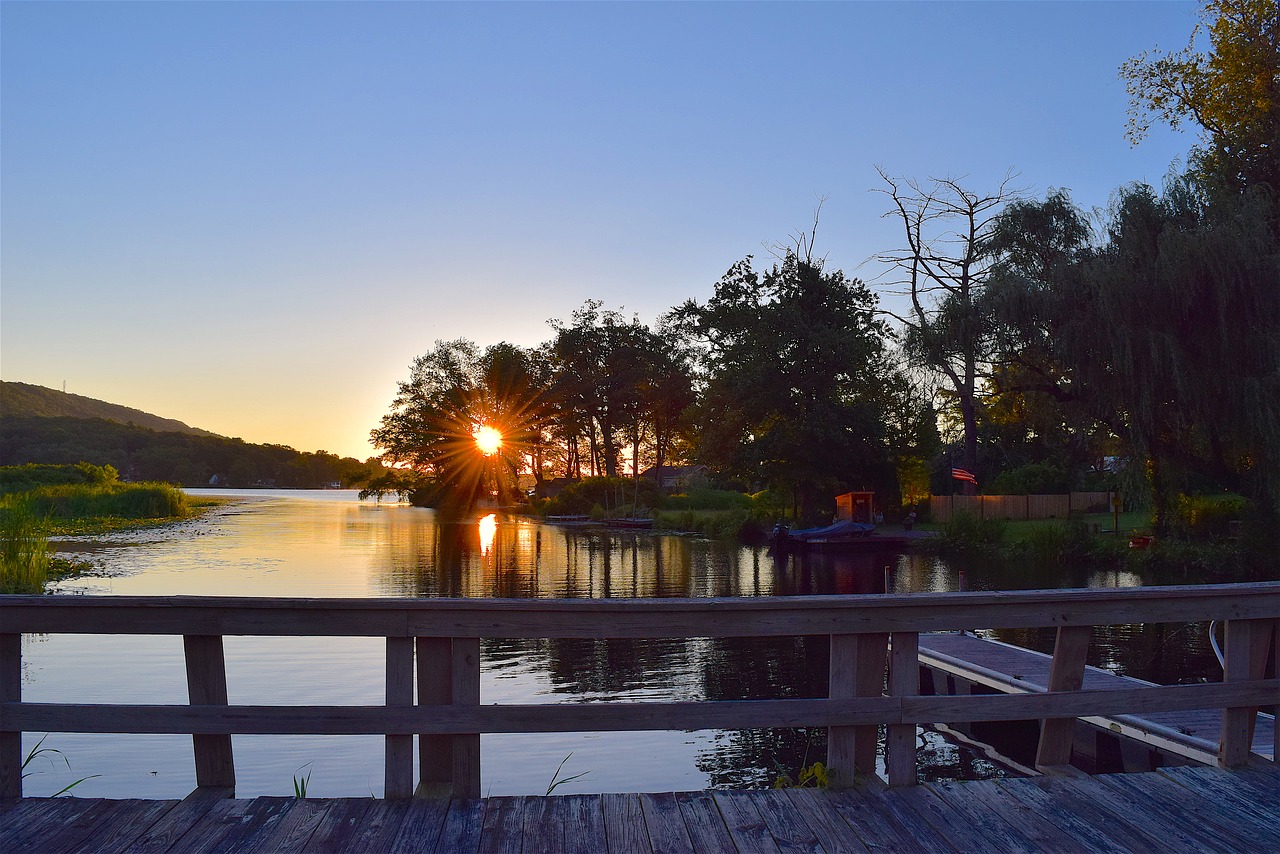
[140, 454]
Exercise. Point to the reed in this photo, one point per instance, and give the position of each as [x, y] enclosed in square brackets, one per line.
[24, 551]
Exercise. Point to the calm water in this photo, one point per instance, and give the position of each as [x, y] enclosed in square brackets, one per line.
[326, 543]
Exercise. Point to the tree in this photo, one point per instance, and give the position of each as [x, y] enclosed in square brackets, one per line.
[1167, 331]
[792, 360]
[943, 270]
[452, 392]
[1232, 92]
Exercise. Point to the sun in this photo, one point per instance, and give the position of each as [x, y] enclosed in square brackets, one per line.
[488, 439]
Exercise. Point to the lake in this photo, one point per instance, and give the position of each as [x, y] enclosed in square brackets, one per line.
[328, 544]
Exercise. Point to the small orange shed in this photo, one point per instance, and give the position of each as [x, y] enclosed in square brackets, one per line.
[856, 507]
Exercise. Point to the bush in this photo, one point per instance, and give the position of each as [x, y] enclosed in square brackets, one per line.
[616, 496]
[1033, 479]
[24, 478]
[965, 533]
[1067, 541]
[1204, 517]
[707, 499]
[716, 524]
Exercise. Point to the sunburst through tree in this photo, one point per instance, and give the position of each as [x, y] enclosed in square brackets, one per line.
[466, 422]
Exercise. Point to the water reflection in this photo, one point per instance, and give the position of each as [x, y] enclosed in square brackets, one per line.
[327, 544]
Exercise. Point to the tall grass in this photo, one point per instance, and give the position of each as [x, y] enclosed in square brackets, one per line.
[24, 551]
[118, 500]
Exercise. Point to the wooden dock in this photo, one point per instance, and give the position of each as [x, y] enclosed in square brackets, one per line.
[1173, 810]
[1192, 734]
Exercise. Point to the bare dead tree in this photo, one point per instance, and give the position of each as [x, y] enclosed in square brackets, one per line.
[943, 269]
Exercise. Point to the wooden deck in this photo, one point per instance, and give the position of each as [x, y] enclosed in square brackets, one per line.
[1175, 809]
[1192, 734]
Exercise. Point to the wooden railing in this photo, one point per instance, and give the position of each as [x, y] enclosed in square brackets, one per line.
[436, 642]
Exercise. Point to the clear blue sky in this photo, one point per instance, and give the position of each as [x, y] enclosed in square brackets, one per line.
[251, 216]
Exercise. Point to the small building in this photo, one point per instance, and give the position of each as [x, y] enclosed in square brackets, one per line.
[856, 507]
[677, 477]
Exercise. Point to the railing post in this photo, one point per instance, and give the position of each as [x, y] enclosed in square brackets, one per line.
[856, 670]
[466, 692]
[1066, 673]
[207, 686]
[449, 674]
[1245, 658]
[10, 736]
[904, 681]
[399, 747]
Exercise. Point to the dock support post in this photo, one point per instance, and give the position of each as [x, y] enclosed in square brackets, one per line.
[449, 674]
[904, 681]
[856, 670]
[1245, 658]
[1066, 673]
[10, 736]
[207, 686]
[398, 770]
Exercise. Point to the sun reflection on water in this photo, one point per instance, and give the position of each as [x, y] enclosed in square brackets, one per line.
[488, 529]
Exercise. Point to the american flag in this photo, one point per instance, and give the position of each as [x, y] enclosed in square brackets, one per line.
[964, 474]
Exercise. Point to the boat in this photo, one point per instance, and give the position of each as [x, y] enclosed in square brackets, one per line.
[840, 537]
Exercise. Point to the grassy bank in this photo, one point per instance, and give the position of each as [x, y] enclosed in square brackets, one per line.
[37, 502]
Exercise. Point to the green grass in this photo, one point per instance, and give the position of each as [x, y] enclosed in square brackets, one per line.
[24, 553]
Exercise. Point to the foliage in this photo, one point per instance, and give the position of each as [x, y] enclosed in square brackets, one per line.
[1232, 92]
[29, 476]
[24, 552]
[119, 500]
[707, 499]
[613, 495]
[1063, 542]
[1032, 479]
[717, 524]
[1207, 516]
[814, 777]
[49, 752]
[140, 454]
[300, 784]
[557, 780]
[965, 533]
[793, 361]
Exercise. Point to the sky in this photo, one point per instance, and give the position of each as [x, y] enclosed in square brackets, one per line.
[252, 216]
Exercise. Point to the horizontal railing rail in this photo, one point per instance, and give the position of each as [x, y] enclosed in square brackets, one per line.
[434, 643]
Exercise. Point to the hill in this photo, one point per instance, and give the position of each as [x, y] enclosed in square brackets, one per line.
[21, 400]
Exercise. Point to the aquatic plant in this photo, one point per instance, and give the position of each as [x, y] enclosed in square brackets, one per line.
[49, 752]
[557, 780]
[300, 783]
[24, 551]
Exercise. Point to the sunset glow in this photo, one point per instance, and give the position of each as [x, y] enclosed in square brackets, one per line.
[488, 439]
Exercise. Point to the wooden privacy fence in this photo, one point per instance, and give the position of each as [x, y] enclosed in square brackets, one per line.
[943, 507]
[438, 640]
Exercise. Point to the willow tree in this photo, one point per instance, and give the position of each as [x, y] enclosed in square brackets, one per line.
[1167, 329]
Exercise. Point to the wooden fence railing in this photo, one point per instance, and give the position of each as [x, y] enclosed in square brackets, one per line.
[1017, 507]
[436, 643]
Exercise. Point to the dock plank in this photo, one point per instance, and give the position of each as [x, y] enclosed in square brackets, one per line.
[294, 831]
[833, 832]
[624, 823]
[745, 824]
[503, 826]
[985, 801]
[338, 825]
[584, 825]
[463, 825]
[703, 821]
[1174, 810]
[665, 822]
[420, 828]
[787, 827]
[164, 833]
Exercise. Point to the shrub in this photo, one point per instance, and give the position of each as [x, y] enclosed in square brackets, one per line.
[24, 478]
[1033, 479]
[608, 492]
[119, 500]
[968, 534]
[707, 499]
[1205, 517]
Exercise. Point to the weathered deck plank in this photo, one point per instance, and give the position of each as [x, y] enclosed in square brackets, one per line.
[1173, 810]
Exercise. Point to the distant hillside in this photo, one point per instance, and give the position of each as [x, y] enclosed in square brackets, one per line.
[21, 400]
